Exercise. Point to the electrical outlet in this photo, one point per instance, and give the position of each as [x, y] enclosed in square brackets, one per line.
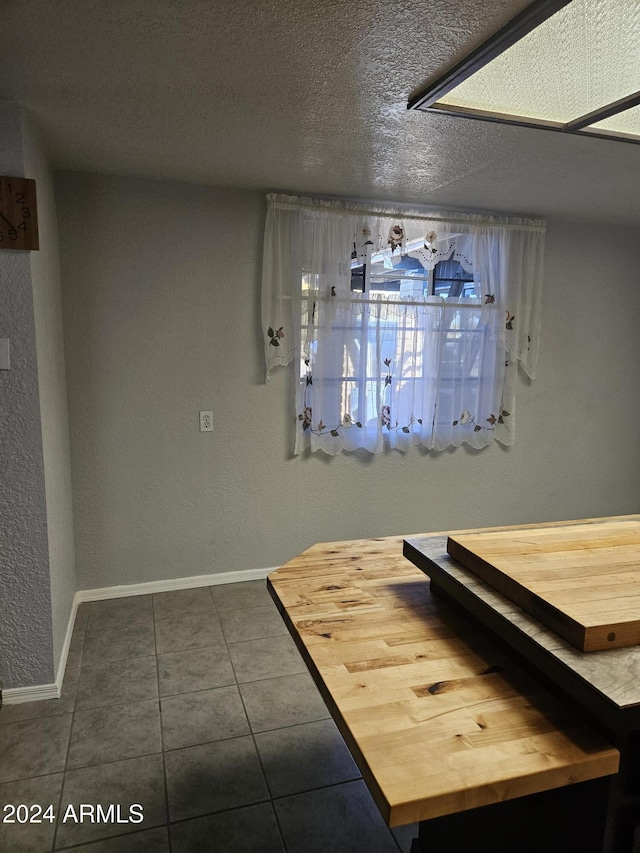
[206, 421]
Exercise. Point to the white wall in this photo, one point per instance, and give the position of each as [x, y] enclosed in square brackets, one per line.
[161, 311]
[47, 306]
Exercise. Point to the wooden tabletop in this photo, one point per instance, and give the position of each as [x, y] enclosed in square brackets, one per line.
[438, 719]
[580, 578]
[606, 682]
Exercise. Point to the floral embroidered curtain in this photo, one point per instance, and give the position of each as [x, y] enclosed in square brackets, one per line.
[377, 368]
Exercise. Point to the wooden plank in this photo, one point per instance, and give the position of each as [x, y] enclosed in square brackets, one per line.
[438, 719]
[580, 578]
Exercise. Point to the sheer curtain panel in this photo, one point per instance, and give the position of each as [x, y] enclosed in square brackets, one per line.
[386, 354]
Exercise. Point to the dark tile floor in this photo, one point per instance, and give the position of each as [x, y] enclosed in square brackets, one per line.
[196, 705]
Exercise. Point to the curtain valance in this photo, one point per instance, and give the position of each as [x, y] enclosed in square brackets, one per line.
[308, 307]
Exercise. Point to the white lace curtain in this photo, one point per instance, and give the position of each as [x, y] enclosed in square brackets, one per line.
[376, 370]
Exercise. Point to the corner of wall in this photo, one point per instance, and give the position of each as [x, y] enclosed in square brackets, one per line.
[47, 306]
[37, 573]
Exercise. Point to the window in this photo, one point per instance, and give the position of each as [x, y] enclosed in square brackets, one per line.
[404, 325]
[447, 278]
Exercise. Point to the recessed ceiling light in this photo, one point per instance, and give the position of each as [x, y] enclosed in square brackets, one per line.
[564, 65]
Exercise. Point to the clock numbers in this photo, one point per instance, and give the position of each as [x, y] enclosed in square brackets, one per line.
[18, 214]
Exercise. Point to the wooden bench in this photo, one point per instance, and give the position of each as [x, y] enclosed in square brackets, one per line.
[439, 720]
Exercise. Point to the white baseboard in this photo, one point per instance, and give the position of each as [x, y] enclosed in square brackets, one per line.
[170, 585]
[15, 695]
[62, 663]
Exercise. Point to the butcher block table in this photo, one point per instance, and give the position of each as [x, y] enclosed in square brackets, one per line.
[537, 591]
[579, 578]
[447, 730]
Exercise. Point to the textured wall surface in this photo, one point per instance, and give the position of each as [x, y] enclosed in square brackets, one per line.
[161, 302]
[26, 655]
[47, 303]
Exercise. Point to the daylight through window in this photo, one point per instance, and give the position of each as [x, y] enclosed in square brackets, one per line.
[408, 327]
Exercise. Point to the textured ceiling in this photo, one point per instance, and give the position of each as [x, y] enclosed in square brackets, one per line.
[293, 96]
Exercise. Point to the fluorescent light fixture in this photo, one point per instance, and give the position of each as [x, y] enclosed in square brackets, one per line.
[564, 65]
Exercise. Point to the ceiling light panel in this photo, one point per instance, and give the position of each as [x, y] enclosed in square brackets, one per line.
[582, 58]
[627, 123]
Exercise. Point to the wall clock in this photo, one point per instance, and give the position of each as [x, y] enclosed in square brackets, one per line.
[18, 214]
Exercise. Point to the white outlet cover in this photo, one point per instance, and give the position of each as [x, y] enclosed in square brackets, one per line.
[206, 421]
[5, 361]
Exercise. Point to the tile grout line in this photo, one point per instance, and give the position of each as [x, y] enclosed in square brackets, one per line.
[107, 838]
[253, 738]
[73, 719]
[162, 750]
